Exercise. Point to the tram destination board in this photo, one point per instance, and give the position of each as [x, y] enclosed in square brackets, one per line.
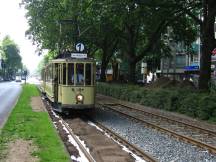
[79, 55]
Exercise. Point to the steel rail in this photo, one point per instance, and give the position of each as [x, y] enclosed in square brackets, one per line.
[138, 151]
[210, 148]
[213, 133]
[83, 149]
[86, 153]
[123, 141]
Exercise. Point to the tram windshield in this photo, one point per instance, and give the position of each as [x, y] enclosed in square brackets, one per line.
[88, 70]
[76, 74]
[80, 73]
[70, 74]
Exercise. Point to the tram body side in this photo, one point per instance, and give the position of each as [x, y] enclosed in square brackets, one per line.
[63, 88]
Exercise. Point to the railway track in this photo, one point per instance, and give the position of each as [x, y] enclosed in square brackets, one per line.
[89, 155]
[201, 137]
[60, 125]
[139, 152]
[84, 150]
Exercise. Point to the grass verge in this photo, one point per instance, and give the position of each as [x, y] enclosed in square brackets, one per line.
[36, 126]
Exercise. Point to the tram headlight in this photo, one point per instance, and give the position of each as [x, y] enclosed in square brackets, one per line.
[79, 98]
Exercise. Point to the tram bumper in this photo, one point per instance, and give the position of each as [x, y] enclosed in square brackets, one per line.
[78, 106]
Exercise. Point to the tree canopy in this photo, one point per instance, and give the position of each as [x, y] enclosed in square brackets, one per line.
[12, 60]
[133, 29]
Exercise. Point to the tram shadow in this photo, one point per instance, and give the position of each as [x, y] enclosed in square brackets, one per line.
[83, 114]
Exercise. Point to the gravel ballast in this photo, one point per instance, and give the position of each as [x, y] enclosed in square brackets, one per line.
[161, 146]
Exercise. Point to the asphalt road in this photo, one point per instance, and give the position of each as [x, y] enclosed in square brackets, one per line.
[9, 93]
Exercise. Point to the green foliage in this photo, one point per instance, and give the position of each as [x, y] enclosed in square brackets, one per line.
[45, 60]
[11, 56]
[207, 107]
[2, 54]
[186, 101]
[35, 126]
[42, 18]
[190, 105]
[131, 28]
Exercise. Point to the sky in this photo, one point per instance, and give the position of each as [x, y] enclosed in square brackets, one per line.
[14, 24]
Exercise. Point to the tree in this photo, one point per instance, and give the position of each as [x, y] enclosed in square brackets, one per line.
[13, 60]
[98, 24]
[132, 27]
[141, 28]
[2, 55]
[88, 21]
[208, 41]
[203, 13]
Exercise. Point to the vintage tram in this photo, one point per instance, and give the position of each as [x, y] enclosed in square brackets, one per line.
[69, 82]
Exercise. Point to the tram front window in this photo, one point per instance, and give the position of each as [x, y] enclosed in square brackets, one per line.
[64, 74]
[80, 74]
[71, 74]
[88, 74]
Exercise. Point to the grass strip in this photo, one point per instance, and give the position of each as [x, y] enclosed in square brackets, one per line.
[36, 126]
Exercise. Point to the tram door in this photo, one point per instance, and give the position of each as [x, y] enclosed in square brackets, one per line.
[56, 80]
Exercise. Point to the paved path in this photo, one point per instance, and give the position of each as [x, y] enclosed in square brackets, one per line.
[9, 93]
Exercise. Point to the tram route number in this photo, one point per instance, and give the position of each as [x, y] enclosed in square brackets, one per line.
[80, 47]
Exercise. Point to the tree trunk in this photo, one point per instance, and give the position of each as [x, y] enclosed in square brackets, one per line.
[132, 72]
[115, 71]
[205, 66]
[208, 43]
[108, 50]
[103, 71]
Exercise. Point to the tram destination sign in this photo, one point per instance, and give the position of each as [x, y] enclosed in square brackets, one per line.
[79, 55]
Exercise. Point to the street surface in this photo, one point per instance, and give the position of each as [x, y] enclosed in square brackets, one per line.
[9, 93]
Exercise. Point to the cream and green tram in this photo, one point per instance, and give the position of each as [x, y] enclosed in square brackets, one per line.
[70, 83]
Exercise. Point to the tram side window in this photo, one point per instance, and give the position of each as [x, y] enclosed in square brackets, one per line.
[64, 74]
[55, 71]
[49, 73]
[80, 74]
[45, 75]
[88, 71]
[59, 73]
[70, 74]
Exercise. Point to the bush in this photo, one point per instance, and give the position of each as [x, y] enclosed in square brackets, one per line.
[186, 101]
[189, 105]
[158, 98]
[213, 117]
[174, 101]
[135, 96]
[207, 107]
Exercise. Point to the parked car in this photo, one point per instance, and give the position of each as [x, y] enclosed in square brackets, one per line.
[23, 78]
[18, 78]
[6, 79]
[1, 79]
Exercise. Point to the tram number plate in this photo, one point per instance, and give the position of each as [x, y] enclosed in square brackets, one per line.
[78, 55]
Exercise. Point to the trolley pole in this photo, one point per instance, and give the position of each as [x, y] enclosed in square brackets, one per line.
[76, 30]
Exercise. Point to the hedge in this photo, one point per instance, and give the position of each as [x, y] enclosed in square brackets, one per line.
[196, 104]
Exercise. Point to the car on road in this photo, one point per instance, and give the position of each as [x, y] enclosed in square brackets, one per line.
[18, 79]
